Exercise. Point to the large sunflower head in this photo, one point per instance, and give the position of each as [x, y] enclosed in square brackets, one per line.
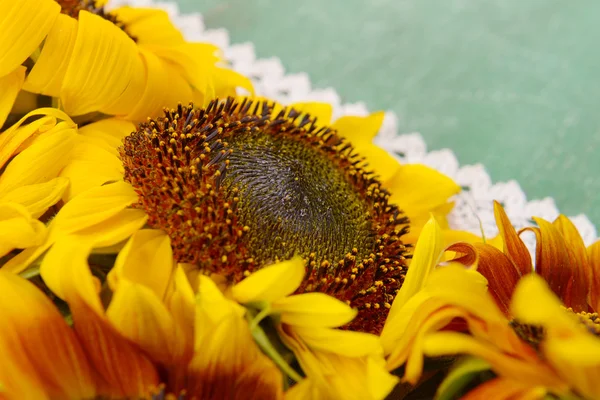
[238, 186]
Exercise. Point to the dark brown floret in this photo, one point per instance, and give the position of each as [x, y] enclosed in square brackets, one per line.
[238, 186]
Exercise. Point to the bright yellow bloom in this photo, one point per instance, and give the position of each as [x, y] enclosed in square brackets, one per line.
[153, 337]
[128, 62]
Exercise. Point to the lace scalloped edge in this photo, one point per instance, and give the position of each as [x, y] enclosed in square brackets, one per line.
[473, 210]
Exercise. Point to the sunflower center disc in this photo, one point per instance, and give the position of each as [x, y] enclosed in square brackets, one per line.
[238, 186]
[295, 200]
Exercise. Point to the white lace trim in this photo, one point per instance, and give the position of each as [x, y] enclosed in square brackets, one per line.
[473, 206]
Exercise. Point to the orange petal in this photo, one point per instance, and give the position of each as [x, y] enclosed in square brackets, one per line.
[514, 247]
[501, 273]
[580, 267]
[506, 389]
[553, 263]
[124, 370]
[594, 259]
[41, 356]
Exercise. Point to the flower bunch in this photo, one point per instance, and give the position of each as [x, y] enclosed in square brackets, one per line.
[165, 233]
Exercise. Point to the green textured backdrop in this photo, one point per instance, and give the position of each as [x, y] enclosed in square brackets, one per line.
[513, 84]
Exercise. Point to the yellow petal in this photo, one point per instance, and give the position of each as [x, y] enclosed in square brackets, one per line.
[41, 356]
[345, 343]
[321, 111]
[225, 82]
[17, 137]
[140, 316]
[18, 229]
[104, 63]
[313, 310]
[113, 230]
[10, 85]
[107, 133]
[90, 166]
[417, 189]
[23, 26]
[447, 343]
[513, 246]
[46, 76]
[271, 283]
[40, 162]
[94, 206]
[126, 371]
[149, 25]
[37, 198]
[146, 259]
[425, 258]
[360, 131]
[164, 87]
[548, 310]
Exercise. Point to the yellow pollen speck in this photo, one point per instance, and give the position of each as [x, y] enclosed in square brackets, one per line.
[246, 273]
[368, 305]
[387, 305]
[376, 305]
[246, 228]
[224, 259]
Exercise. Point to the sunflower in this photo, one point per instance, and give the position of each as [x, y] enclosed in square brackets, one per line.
[154, 339]
[237, 187]
[128, 62]
[524, 342]
[562, 260]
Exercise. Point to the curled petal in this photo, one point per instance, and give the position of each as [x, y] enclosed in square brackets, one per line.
[40, 162]
[149, 26]
[345, 343]
[514, 247]
[47, 75]
[104, 66]
[41, 356]
[271, 283]
[18, 230]
[23, 26]
[496, 267]
[37, 198]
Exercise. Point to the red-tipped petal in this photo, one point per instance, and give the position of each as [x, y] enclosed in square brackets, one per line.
[514, 247]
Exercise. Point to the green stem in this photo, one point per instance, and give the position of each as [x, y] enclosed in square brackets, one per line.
[30, 272]
[263, 341]
[259, 317]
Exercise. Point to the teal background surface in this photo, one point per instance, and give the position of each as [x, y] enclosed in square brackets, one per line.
[513, 84]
